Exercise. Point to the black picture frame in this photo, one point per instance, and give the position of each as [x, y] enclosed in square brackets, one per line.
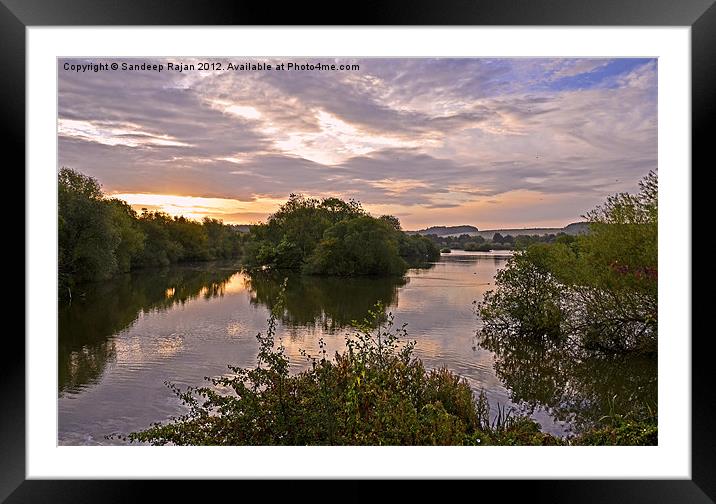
[700, 15]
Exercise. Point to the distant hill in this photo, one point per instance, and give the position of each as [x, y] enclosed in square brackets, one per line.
[574, 228]
[447, 230]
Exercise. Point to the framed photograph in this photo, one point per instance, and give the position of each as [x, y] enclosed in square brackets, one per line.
[423, 243]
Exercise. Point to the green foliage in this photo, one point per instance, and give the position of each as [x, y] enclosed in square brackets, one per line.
[87, 237]
[624, 433]
[474, 246]
[393, 221]
[616, 271]
[131, 238]
[100, 237]
[160, 249]
[359, 246]
[514, 431]
[598, 289]
[223, 242]
[417, 249]
[528, 300]
[291, 234]
[498, 242]
[334, 237]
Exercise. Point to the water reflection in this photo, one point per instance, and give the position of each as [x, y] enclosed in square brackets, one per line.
[88, 324]
[327, 303]
[575, 387]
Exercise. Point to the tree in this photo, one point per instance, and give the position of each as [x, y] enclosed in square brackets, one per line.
[359, 246]
[598, 289]
[497, 238]
[99, 236]
[615, 272]
[223, 242]
[334, 237]
[289, 236]
[527, 302]
[523, 241]
[86, 237]
[192, 238]
[339, 210]
[417, 249]
[131, 237]
[392, 220]
[160, 249]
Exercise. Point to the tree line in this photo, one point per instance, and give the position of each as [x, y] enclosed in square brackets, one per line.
[100, 236]
[497, 242]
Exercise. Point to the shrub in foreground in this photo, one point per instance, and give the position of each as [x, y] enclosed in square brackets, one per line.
[622, 433]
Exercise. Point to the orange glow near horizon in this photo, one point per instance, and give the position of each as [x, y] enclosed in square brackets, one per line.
[412, 217]
[231, 211]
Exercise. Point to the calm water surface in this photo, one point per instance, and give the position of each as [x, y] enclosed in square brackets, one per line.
[123, 339]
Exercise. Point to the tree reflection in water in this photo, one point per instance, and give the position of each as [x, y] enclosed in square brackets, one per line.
[329, 303]
[584, 389]
[88, 324]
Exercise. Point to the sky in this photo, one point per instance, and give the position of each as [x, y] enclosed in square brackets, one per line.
[495, 143]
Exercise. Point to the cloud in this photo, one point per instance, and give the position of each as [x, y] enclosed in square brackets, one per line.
[425, 138]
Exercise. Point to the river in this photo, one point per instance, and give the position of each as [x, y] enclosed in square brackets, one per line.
[121, 340]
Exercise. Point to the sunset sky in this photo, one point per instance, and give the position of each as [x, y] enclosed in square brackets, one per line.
[490, 142]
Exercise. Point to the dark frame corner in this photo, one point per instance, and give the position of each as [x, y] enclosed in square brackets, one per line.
[700, 15]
